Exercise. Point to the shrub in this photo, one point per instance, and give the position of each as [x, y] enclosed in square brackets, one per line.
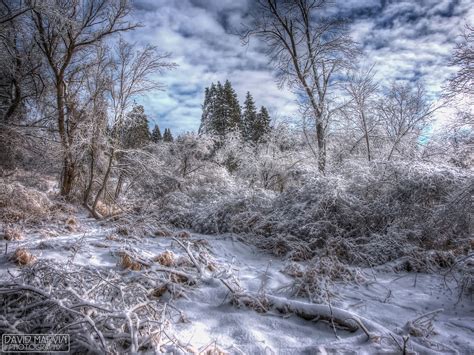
[20, 203]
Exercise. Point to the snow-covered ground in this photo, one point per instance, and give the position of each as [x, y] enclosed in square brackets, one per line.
[387, 299]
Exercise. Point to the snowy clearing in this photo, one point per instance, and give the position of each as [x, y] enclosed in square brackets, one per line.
[209, 317]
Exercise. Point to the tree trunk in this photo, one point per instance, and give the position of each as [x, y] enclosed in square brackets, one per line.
[104, 184]
[118, 189]
[91, 179]
[366, 134]
[394, 146]
[68, 176]
[321, 145]
[68, 173]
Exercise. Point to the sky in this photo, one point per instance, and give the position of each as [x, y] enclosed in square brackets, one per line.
[403, 39]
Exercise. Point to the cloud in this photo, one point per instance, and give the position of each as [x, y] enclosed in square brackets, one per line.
[406, 40]
[200, 36]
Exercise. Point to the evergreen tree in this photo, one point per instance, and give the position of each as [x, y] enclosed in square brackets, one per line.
[135, 132]
[249, 118]
[232, 109]
[219, 119]
[167, 136]
[156, 134]
[208, 110]
[220, 111]
[262, 126]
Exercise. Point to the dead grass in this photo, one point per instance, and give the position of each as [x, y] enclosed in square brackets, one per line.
[211, 266]
[112, 237]
[71, 224]
[166, 258]
[162, 232]
[212, 349]
[102, 209]
[315, 280]
[107, 210]
[178, 279]
[127, 262]
[12, 233]
[23, 257]
[426, 261]
[122, 230]
[159, 291]
[183, 261]
[183, 235]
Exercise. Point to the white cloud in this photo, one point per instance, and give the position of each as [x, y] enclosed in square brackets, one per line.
[405, 39]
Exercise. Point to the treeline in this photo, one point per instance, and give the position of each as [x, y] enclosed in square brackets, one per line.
[222, 115]
[136, 130]
[157, 137]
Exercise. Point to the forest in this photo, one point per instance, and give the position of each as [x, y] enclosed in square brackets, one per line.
[344, 229]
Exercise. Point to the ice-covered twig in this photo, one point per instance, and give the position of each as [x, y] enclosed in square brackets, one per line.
[191, 256]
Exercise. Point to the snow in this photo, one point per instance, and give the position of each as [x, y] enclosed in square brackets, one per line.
[386, 302]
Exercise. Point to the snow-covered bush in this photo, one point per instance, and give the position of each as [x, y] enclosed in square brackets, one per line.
[362, 215]
[359, 212]
[314, 281]
[20, 203]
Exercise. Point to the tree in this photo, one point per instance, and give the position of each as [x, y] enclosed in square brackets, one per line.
[249, 118]
[263, 125]
[65, 33]
[455, 136]
[219, 119]
[405, 111]
[21, 81]
[208, 110]
[167, 136]
[361, 89]
[232, 109]
[221, 111]
[462, 82]
[91, 99]
[307, 50]
[132, 74]
[136, 133]
[156, 135]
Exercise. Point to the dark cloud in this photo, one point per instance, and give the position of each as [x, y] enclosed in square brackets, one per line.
[405, 39]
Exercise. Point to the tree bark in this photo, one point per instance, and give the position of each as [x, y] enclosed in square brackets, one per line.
[104, 184]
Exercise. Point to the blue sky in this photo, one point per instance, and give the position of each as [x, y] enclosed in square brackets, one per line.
[407, 40]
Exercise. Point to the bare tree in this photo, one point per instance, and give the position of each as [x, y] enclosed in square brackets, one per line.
[90, 101]
[132, 74]
[307, 49]
[20, 79]
[10, 10]
[454, 138]
[361, 88]
[405, 111]
[66, 31]
[462, 82]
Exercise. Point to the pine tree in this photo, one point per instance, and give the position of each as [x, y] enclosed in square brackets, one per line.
[220, 111]
[156, 135]
[232, 109]
[219, 119]
[206, 111]
[167, 136]
[249, 117]
[135, 133]
[209, 110]
[262, 126]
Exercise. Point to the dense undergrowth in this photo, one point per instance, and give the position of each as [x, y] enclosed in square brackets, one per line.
[366, 215]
